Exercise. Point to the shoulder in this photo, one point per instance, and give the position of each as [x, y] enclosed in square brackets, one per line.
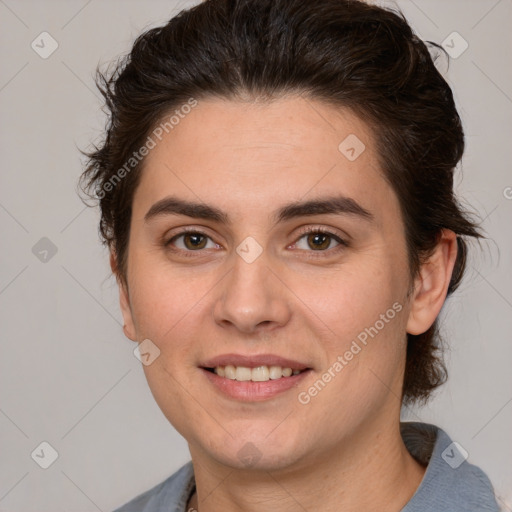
[450, 483]
[171, 495]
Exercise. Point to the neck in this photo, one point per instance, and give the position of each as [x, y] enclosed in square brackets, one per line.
[371, 470]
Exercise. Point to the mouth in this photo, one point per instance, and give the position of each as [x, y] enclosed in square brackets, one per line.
[261, 373]
[253, 378]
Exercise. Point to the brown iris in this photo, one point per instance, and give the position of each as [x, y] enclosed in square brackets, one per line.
[197, 241]
[315, 238]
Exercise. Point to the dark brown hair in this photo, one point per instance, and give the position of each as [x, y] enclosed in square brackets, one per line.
[344, 52]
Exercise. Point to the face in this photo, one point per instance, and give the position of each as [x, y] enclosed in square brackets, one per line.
[292, 260]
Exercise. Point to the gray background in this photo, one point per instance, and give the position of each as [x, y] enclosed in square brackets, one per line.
[68, 376]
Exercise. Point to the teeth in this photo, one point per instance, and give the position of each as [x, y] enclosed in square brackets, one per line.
[287, 372]
[243, 373]
[258, 374]
[275, 372]
[230, 372]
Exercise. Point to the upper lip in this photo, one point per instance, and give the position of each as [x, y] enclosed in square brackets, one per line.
[253, 361]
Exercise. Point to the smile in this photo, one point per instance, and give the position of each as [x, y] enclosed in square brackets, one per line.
[258, 374]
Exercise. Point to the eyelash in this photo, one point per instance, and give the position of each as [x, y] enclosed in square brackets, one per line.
[309, 230]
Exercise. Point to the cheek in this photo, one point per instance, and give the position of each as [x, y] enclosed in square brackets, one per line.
[362, 311]
[352, 298]
[162, 297]
[169, 309]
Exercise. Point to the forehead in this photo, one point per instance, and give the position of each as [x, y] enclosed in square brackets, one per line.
[252, 155]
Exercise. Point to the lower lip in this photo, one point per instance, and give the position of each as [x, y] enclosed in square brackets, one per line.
[249, 391]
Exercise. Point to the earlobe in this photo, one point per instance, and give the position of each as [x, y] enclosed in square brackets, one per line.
[124, 301]
[432, 283]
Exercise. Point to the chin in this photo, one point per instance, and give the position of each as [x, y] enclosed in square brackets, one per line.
[254, 450]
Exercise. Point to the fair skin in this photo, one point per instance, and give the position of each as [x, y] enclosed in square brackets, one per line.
[343, 449]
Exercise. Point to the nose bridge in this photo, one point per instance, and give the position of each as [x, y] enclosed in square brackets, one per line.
[251, 295]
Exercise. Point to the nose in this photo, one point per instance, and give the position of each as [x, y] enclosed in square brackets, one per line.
[251, 298]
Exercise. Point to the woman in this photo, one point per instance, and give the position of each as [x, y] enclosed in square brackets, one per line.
[276, 190]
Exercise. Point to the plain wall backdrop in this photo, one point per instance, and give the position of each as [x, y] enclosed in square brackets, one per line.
[68, 375]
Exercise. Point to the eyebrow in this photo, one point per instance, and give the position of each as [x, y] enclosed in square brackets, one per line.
[339, 205]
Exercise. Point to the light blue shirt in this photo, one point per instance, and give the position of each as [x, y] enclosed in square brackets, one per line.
[450, 483]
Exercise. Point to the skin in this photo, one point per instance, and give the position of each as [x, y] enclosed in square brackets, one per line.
[343, 450]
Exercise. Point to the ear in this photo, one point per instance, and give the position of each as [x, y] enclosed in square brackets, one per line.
[431, 284]
[124, 300]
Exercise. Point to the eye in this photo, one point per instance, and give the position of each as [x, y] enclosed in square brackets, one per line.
[311, 240]
[192, 240]
[319, 240]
